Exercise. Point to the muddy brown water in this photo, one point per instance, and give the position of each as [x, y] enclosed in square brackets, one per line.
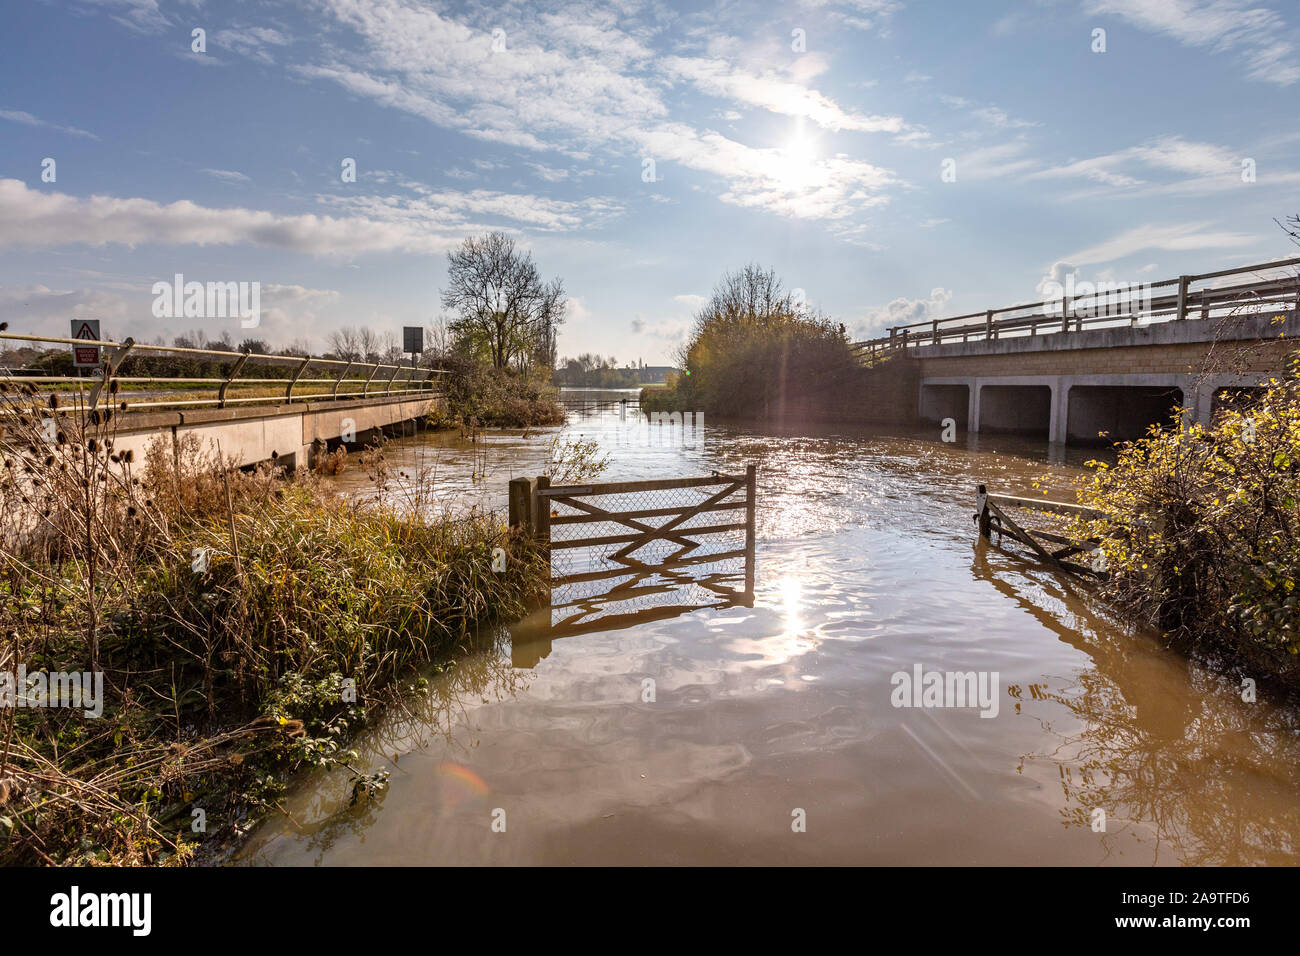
[773, 736]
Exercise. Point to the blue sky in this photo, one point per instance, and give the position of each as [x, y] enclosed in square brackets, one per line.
[824, 162]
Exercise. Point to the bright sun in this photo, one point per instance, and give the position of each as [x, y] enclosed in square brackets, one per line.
[796, 164]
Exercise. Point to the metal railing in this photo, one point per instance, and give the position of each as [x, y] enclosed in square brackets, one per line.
[1105, 308]
[114, 354]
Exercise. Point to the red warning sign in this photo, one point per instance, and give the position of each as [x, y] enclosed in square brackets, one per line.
[84, 356]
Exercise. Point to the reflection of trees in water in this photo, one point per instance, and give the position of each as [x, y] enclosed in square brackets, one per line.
[1216, 779]
[480, 673]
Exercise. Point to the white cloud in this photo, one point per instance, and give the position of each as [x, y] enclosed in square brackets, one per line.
[34, 308]
[1206, 168]
[860, 14]
[27, 119]
[577, 83]
[991, 115]
[904, 311]
[548, 173]
[1181, 237]
[250, 41]
[774, 93]
[227, 175]
[990, 162]
[435, 223]
[1258, 36]
[139, 16]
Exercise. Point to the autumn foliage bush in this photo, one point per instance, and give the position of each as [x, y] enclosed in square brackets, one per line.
[1200, 529]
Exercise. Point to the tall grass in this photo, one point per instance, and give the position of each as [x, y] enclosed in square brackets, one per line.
[244, 622]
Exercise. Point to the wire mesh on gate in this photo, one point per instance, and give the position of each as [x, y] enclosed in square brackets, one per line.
[646, 553]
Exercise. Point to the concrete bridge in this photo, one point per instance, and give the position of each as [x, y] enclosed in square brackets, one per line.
[291, 434]
[1071, 371]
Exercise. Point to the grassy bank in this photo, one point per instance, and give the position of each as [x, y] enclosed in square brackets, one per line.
[244, 623]
[1200, 530]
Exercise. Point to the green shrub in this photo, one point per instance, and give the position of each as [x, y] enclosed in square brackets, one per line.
[495, 398]
[1200, 529]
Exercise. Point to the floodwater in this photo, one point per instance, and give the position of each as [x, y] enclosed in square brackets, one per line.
[773, 736]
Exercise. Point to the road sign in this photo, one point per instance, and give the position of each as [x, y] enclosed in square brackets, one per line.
[412, 339]
[85, 356]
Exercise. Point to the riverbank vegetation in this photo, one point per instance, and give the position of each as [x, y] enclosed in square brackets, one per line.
[475, 394]
[753, 348]
[1200, 531]
[244, 623]
[496, 343]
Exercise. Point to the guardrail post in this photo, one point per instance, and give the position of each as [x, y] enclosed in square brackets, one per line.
[1183, 283]
[934, 332]
[297, 374]
[365, 389]
[334, 395]
[392, 378]
[239, 364]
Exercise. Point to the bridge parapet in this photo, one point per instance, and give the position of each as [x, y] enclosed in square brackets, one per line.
[1229, 293]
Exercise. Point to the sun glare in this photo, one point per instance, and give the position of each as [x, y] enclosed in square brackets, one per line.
[796, 164]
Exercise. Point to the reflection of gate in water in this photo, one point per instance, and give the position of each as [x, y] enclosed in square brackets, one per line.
[636, 550]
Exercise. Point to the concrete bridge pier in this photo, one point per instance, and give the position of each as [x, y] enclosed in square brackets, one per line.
[1100, 385]
[1076, 409]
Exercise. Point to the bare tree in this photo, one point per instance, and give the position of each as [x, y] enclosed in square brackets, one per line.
[499, 302]
[345, 343]
[438, 338]
[550, 317]
[368, 343]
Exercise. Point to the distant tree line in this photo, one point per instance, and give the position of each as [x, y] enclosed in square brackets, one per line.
[592, 371]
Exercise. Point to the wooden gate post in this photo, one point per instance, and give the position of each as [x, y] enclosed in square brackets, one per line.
[982, 510]
[523, 493]
[750, 496]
